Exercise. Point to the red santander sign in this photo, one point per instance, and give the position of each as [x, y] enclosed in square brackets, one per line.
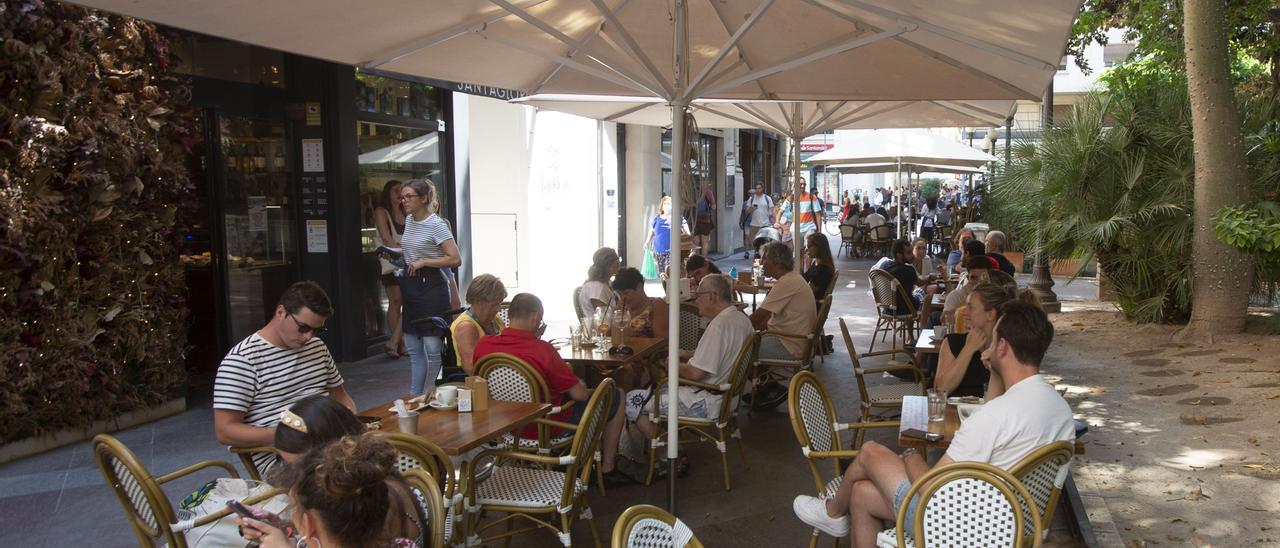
[816, 147]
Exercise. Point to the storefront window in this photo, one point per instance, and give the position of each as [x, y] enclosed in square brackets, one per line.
[398, 139]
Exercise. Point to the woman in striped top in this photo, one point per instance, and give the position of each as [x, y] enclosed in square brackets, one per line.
[428, 247]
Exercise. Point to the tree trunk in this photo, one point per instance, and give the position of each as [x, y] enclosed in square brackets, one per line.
[1221, 274]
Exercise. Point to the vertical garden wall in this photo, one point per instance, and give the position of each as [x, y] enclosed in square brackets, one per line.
[94, 152]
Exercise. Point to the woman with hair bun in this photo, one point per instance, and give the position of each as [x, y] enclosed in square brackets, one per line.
[347, 495]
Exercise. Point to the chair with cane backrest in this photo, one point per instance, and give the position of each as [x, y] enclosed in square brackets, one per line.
[965, 504]
[878, 399]
[692, 325]
[847, 241]
[822, 316]
[647, 526]
[530, 493]
[877, 240]
[425, 489]
[150, 512]
[512, 379]
[716, 430]
[504, 311]
[416, 453]
[890, 317]
[1043, 473]
[774, 368]
[817, 428]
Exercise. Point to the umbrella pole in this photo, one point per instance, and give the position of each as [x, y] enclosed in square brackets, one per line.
[797, 240]
[678, 165]
[897, 194]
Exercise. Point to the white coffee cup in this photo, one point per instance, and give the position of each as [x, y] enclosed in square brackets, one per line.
[446, 395]
[939, 331]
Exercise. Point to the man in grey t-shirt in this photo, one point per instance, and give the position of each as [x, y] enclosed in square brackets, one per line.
[758, 207]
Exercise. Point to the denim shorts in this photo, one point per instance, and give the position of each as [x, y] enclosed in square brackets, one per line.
[908, 521]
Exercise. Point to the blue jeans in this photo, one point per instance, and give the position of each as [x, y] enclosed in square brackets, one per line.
[899, 497]
[424, 358]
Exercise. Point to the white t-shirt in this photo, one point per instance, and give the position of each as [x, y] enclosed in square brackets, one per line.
[874, 220]
[262, 380]
[599, 291]
[716, 351]
[764, 206]
[1028, 416]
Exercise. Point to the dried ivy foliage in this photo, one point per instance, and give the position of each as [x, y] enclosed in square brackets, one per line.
[95, 142]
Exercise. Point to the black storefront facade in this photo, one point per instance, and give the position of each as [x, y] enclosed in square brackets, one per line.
[296, 154]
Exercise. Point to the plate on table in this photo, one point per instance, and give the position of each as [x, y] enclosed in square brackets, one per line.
[437, 404]
[974, 400]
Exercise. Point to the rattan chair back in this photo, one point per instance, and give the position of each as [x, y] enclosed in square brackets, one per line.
[647, 526]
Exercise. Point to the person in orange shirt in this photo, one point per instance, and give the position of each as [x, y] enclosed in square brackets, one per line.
[808, 210]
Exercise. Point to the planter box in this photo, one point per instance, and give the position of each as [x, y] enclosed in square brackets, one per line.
[39, 444]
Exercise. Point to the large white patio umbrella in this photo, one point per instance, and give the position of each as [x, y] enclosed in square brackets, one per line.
[721, 49]
[896, 149]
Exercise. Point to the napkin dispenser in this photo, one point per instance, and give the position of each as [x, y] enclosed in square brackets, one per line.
[479, 393]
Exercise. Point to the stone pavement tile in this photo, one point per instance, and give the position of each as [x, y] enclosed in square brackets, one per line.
[26, 518]
[84, 511]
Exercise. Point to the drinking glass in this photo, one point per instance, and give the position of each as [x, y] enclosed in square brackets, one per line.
[937, 405]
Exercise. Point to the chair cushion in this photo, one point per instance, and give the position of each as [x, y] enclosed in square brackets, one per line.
[524, 487]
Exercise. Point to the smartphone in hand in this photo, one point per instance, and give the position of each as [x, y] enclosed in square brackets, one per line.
[239, 508]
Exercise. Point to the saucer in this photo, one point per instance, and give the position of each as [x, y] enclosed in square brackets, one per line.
[436, 404]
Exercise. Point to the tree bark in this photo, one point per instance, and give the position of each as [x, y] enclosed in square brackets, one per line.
[1221, 275]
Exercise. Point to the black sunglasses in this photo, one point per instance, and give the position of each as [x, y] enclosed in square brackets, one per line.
[304, 328]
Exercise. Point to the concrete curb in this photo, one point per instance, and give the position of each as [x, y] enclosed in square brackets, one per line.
[1090, 508]
[30, 446]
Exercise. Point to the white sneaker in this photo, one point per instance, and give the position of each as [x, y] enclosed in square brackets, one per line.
[813, 511]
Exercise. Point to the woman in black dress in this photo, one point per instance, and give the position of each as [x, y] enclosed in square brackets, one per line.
[960, 368]
[819, 267]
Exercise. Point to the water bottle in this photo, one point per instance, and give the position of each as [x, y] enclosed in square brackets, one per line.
[733, 273]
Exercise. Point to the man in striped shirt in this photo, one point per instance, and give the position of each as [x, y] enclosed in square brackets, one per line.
[281, 363]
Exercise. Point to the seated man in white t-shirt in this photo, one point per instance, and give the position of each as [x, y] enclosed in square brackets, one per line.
[1029, 415]
[711, 363]
[272, 369]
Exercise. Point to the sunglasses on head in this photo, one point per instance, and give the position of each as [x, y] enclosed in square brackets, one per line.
[304, 328]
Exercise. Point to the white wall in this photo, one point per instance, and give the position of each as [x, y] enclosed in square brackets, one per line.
[544, 171]
[644, 187]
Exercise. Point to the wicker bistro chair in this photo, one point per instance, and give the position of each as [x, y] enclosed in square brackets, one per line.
[692, 325]
[848, 241]
[777, 368]
[416, 453]
[150, 513]
[966, 504]
[717, 430]
[876, 241]
[431, 509]
[512, 379]
[889, 318]
[647, 526]
[1043, 473]
[533, 493]
[817, 428]
[247, 454]
[878, 399]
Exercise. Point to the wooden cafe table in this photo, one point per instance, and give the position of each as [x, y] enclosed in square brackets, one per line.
[592, 360]
[456, 433]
